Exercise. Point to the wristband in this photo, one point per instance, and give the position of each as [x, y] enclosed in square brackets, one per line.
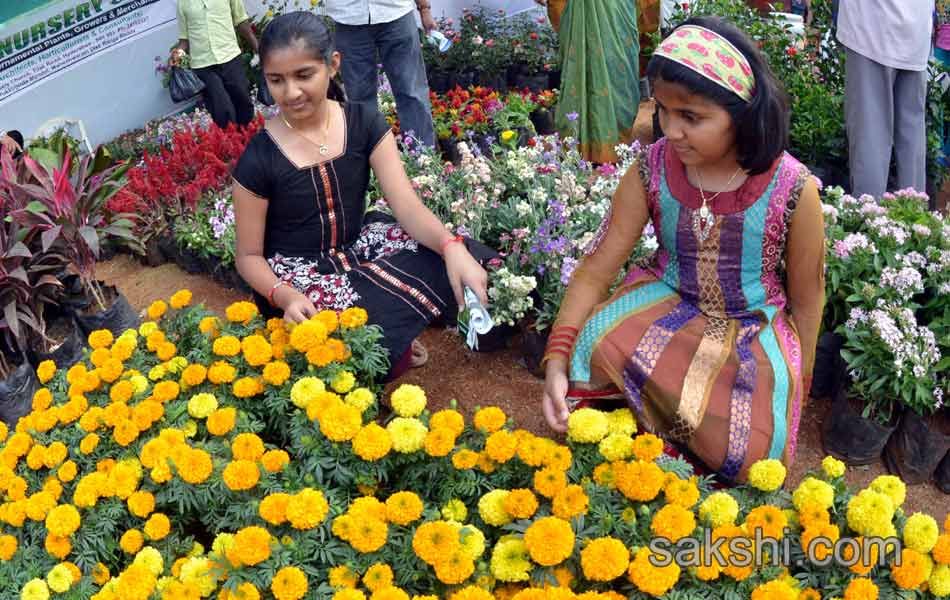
[270, 294]
[445, 244]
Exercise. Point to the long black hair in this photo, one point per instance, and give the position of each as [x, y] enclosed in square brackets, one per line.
[761, 124]
[306, 28]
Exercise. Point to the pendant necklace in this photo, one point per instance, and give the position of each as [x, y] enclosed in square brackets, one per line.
[703, 219]
[323, 148]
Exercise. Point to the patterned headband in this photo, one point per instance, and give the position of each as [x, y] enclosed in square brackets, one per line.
[712, 56]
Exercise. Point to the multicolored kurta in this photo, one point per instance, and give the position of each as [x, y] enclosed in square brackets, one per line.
[701, 342]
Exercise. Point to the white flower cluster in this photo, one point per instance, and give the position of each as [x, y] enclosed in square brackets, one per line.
[912, 345]
[510, 296]
[906, 281]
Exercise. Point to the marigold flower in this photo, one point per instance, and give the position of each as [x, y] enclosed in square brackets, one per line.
[408, 434]
[550, 541]
[273, 508]
[604, 559]
[8, 546]
[832, 467]
[368, 535]
[276, 373]
[941, 550]
[549, 481]
[939, 582]
[141, 504]
[252, 545]
[289, 583]
[767, 475]
[343, 382]
[408, 400]
[378, 576]
[861, 588]
[35, 589]
[275, 460]
[454, 568]
[403, 508]
[247, 446]
[194, 465]
[100, 338]
[639, 480]
[194, 375]
[650, 579]
[63, 520]
[240, 475]
[912, 570]
[921, 532]
[464, 459]
[341, 422]
[220, 421]
[673, 522]
[353, 317]
[307, 335]
[45, 371]
[435, 539]
[769, 519]
[570, 502]
[587, 426]
[305, 390]
[489, 419]
[372, 442]
[131, 541]
[157, 526]
[307, 508]
[157, 309]
[776, 589]
[501, 446]
[520, 504]
[892, 486]
[814, 491]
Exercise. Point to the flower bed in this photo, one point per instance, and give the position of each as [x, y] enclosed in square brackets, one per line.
[232, 458]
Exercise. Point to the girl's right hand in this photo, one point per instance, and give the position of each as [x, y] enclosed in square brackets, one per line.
[297, 307]
[554, 402]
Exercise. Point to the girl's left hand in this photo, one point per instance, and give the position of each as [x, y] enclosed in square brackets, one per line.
[464, 270]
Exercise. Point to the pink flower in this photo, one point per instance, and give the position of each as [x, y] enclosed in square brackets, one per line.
[489, 43]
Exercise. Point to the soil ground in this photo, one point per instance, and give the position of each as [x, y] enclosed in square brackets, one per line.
[482, 379]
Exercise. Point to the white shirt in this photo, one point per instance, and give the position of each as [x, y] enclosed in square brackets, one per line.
[894, 33]
[368, 12]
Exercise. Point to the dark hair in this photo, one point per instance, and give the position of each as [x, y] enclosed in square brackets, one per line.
[308, 29]
[761, 124]
[17, 137]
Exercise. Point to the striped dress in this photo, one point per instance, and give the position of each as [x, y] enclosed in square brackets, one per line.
[700, 341]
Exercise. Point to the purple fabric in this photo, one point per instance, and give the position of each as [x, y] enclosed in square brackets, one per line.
[740, 403]
[687, 253]
[730, 263]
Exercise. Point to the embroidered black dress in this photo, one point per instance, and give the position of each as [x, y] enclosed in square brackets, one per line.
[320, 238]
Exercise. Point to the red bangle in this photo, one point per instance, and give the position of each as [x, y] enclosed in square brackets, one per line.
[457, 238]
[270, 294]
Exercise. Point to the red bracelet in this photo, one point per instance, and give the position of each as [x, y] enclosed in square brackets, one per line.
[270, 294]
[457, 238]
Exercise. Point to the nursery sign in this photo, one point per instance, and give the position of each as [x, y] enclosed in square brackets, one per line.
[48, 41]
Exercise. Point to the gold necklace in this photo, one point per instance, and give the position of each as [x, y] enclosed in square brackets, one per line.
[323, 148]
[703, 219]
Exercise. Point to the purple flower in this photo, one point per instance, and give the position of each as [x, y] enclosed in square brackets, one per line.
[572, 116]
[567, 270]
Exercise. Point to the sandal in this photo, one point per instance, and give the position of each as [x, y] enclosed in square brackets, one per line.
[420, 355]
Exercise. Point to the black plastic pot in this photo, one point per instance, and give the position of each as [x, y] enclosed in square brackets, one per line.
[495, 81]
[849, 437]
[69, 352]
[554, 79]
[915, 450]
[117, 318]
[533, 345]
[16, 394]
[463, 80]
[496, 339]
[439, 82]
[536, 82]
[154, 256]
[450, 151]
[168, 246]
[190, 262]
[830, 369]
[483, 143]
[543, 120]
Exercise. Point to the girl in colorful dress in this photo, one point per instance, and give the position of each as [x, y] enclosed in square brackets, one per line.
[713, 344]
[305, 241]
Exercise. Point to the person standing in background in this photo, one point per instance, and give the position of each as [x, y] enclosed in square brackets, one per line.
[600, 73]
[369, 32]
[12, 140]
[206, 31]
[888, 47]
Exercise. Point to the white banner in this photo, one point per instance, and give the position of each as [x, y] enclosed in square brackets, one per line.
[48, 41]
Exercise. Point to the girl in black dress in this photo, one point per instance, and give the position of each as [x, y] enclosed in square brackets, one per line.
[304, 239]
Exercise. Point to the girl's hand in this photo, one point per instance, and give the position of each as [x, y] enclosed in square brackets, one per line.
[464, 270]
[554, 401]
[297, 307]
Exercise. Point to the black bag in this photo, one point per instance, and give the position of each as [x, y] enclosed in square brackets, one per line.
[184, 84]
[263, 93]
[117, 318]
[16, 394]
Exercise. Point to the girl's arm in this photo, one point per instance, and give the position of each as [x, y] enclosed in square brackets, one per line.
[250, 217]
[805, 265]
[424, 227]
[589, 286]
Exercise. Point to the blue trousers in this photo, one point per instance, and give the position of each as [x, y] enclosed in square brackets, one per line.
[398, 47]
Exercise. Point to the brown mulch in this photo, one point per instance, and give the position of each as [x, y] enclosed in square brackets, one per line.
[480, 379]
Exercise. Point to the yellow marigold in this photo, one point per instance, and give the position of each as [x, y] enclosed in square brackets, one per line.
[88, 443]
[673, 522]
[42, 399]
[604, 559]
[439, 442]
[520, 504]
[892, 486]
[435, 539]
[774, 590]
[832, 467]
[8, 546]
[616, 446]
[194, 465]
[166, 351]
[247, 387]
[63, 520]
[769, 519]
[241, 475]
[489, 419]
[141, 504]
[464, 459]
[125, 432]
[60, 578]
[368, 535]
[767, 475]
[58, 546]
[647, 447]
[912, 570]
[209, 326]
[813, 491]
[501, 446]
[939, 582]
[274, 461]
[682, 492]
[402, 508]
[861, 588]
[558, 457]
[342, 577]
[550, 541]
[448, 419]
[257, 350]
[131, 541]
[941, 550]
[166, 390]
[307, 508]
[252, 545]
[812, 514]
[320, 355]
[341, 422]
[921, 532]
[372, 442]
[305, 390]
[870, 512]
[247, 446]
[549, 482]
[378, 576]
[348, 594]
[157, 526]
[353, 317]
[587, 426]
[408, 400]
[194, 375]
[531, 449]
[157, 309]
[100, 574]
[570, 502]
[180, 299]
[361, 398]
[100, 338]
[454, 568]
[639, 480]
[99, 356]
[408, 434]
[34, 589]
[276, 373]
[307, 335]
[45, 371]
[227, 345]
[651, 579]
[491, 508]
[343, 382]
[220, 421]
[241, 312]
[273, 508]
[121, 391]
